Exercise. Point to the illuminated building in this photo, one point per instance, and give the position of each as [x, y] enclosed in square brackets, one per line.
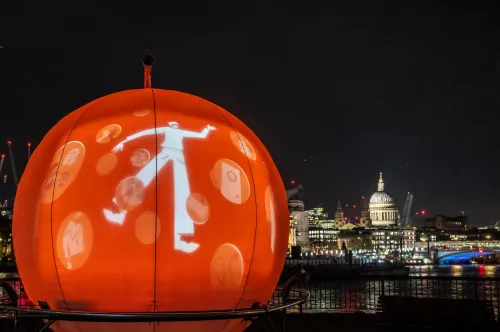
[299, 215]
[389, 239]
[339, 216]
[355, 239]
[292, 236]
[323, 238]
[365, 213]
[316, 216]
[383, 210]
[327, 224]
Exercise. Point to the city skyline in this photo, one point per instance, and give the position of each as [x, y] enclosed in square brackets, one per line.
[353, 209]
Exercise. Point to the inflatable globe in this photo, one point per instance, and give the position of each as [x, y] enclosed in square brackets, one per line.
[150, 201]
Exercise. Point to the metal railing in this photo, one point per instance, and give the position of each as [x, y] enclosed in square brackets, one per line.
[363, 294]
[17, 286]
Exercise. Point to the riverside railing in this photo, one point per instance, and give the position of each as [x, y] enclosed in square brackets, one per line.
[363, 294]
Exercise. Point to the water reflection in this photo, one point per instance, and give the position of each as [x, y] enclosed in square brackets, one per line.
[481, 271]
[364, 295]
[457, 271]
[445, 282]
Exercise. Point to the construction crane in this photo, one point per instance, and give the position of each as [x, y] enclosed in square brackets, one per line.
[1, 162]
[4, 177]
[12, 162]
[406, 217]
[405, 221]
[292, 192]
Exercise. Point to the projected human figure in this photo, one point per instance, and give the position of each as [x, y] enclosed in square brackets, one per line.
[172, 150]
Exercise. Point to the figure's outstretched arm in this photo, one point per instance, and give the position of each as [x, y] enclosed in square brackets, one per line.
[146, 132]
[142, 133]
[202, 134]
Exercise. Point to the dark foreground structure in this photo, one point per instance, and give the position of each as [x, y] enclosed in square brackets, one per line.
[373, 304]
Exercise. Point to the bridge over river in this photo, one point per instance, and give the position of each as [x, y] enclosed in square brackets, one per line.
[445, 256]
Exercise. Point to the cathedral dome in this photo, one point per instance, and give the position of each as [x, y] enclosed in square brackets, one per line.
[381, 197]
[382, 207]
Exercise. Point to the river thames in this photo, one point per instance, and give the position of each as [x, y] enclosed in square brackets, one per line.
[461, 282]
[470, 271]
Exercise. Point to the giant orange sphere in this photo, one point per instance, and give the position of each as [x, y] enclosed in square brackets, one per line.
[150, 200]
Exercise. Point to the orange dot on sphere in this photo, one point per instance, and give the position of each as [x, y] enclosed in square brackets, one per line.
[243, 145]
[108, 133]
[106, 163]
[149, 188]
[147, 227]
[130, 193]
[198, 208]
[142, 112]
[63, 170]
[230, 179]
[140, 158]
[226, 268]
[75, 239]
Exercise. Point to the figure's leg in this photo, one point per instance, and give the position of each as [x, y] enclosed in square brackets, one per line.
[148, 172]
[146, 175]
[183, 224]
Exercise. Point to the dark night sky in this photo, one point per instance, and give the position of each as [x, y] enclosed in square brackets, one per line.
[355, 87]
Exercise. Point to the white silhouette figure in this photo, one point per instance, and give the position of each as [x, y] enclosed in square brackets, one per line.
[172, 150]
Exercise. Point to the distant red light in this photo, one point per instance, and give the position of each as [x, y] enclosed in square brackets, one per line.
[29, 144]
[9, 142]
[3, 155]
[354, 206]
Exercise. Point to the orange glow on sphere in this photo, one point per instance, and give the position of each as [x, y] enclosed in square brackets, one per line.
[150, 200]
